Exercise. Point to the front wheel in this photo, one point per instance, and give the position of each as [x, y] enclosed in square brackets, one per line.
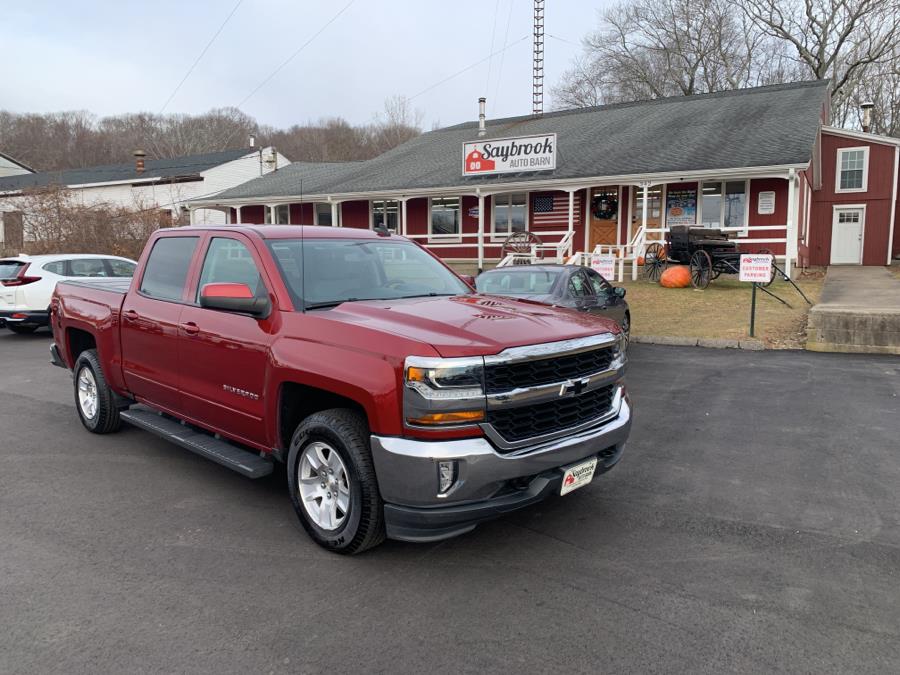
[332, 483]
[94, 400]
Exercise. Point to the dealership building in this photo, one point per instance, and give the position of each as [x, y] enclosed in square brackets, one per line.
[760, 163]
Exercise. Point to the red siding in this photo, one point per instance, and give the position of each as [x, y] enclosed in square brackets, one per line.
[253, 215]
[780, 187]
[355, 214]
[302, 214]
[877, 199]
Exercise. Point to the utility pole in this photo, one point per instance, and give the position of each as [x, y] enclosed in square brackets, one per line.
[537, 94]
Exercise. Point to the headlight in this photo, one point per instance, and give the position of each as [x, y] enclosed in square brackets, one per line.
[618, 354]
[443, 391]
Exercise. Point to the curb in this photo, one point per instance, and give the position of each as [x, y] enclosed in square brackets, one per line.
[710, 343]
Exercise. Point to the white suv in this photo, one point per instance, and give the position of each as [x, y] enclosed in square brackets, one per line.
[27, 283]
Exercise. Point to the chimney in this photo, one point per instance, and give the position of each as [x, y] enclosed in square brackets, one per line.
[481, 130]
[139, 160]
[252, 141]
[866, 108]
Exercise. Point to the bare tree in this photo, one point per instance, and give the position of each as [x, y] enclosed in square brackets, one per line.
[648, 49]
[838, 39]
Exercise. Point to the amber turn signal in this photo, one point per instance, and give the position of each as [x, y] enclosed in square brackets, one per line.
[458, 417]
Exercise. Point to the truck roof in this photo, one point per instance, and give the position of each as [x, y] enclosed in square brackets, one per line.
[293, 231]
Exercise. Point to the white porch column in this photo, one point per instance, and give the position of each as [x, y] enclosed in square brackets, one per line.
[191, 215]
[645, 197]
[480, 232]
[335, 214]
[403, 229]
[272, 214]
[790, 248]
[237, 210]
[571, 219]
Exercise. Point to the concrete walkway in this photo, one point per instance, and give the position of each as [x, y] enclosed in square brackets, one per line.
[859, 311]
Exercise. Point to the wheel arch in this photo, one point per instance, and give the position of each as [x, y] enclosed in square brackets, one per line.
[297, 401]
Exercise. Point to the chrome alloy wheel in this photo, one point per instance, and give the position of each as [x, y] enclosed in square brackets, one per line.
[324, 485]
[87, 393]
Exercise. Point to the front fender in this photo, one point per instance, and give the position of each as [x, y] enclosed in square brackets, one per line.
[369, 379]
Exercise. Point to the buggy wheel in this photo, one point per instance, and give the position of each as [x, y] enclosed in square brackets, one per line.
[767, 251]
[701, 269]
[655, 261]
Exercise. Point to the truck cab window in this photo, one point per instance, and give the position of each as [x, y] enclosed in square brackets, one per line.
[167, 267]
[229, 261]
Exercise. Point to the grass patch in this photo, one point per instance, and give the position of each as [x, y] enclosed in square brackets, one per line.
[723, 310]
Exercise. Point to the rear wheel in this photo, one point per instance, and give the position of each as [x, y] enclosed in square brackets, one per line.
[766, 251]
[701, 269]
[94, 400]
[655, 261]
[332, 483]
[22, 329]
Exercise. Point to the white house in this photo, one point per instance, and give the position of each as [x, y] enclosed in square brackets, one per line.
[10, 166]
[163, 184]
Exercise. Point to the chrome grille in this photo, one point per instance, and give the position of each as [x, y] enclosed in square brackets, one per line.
[508, 376]
[516, 424]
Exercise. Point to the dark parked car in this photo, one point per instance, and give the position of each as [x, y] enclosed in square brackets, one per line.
[568, 286]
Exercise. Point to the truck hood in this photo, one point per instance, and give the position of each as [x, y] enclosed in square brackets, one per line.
[470, 325]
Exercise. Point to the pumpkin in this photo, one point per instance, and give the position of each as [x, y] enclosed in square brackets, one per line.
[678, 276]
[640, 261]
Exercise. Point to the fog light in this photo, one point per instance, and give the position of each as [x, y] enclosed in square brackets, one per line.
[446, 476]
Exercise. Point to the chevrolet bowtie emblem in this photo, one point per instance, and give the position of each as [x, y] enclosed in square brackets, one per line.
[574, 387]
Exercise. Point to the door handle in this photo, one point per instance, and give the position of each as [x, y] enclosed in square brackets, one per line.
[190, 328]
[130, 315]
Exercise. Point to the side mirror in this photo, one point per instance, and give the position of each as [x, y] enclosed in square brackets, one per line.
[469, 279]
[619, 291]
[234, 298]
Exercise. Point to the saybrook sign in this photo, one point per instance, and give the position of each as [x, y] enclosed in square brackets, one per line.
[509, 155]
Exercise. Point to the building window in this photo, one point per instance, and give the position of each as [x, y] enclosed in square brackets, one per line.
[283, 214]
[852, 169]
[724, 204]
[445, 218]
[386, 214]
[323, 214]
[510, 213]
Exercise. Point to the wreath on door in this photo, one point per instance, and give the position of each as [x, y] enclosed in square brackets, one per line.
[605, 207]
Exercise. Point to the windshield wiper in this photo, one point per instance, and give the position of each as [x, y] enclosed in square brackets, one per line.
[335, 303]
[329, 303]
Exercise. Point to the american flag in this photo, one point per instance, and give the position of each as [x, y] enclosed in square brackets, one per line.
[554, 209]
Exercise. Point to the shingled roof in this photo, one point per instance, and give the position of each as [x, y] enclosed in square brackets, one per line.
[759, 127]
[186, 166]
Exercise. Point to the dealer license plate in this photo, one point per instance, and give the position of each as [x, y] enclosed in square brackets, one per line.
[577, 475]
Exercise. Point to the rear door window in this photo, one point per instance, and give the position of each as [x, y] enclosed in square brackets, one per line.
[167, 267]
[87, 267]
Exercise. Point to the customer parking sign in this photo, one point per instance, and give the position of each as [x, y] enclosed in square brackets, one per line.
[756, 268]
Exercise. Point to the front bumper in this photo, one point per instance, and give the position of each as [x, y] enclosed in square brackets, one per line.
[488, 484]
[24, 317]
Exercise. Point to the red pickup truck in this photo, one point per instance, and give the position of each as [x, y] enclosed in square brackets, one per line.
[402, 403]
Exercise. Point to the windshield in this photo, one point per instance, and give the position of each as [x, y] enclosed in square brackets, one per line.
[517, 281]
[327, 272]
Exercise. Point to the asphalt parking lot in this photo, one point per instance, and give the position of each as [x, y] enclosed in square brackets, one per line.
[752, 526]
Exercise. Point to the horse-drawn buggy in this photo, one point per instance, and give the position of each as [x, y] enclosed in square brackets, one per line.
[707, 251]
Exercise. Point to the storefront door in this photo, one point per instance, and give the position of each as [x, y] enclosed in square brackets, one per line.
[654, 210]
[847, 236]
[604, 220]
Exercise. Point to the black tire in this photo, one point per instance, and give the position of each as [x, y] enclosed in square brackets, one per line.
[106, 417]
[347, 433]
[22, 329]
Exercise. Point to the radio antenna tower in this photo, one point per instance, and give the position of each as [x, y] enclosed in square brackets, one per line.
[537, 95]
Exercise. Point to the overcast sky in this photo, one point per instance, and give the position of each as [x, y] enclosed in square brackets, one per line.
[109, 56]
